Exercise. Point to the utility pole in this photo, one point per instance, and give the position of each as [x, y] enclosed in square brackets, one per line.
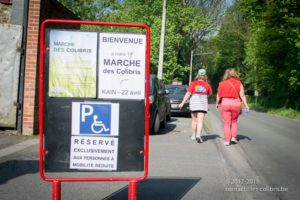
[191, 66]
[162, 41]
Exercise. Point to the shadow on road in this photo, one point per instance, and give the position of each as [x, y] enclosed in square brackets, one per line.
[210, 137]
[182, 115]
[243, 137]
[169, 128]
[164, 188]
[14, 168]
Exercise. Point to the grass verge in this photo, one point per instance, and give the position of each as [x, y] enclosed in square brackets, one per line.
[282, 112]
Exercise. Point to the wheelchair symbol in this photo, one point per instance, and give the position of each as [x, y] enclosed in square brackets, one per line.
[98, 126]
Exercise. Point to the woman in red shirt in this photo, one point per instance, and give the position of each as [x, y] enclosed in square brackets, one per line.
[230, 97]
[198, 92]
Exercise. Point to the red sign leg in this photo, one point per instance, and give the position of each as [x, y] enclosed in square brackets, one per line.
[132, 190]
[56, 185]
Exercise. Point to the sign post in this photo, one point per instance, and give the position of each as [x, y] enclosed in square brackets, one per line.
[90, 83]
[56, 190]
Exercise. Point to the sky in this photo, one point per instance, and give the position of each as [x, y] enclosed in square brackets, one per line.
[229, 2]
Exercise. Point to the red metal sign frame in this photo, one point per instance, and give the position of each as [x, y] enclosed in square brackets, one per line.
[56, 181]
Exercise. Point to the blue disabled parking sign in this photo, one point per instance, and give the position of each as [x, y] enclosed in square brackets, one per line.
[95, 118]
[92, 118]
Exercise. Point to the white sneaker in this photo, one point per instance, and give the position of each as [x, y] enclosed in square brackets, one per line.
[226, 143]
[193, 137]
[234, 140]
[199, 139]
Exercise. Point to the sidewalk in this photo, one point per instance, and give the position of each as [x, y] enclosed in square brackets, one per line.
[11, 143]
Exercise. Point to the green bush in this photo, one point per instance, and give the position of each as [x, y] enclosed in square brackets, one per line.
[269, 105]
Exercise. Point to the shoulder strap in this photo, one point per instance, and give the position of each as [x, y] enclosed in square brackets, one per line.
[234, 88]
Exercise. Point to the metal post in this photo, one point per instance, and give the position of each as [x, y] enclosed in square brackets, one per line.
[191, 66]
[162, 42]
[132, 190]
[56, 192]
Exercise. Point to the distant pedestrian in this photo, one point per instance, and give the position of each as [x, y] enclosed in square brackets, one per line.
[229, 98]
[198, 92]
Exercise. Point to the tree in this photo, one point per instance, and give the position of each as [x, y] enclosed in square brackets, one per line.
[272, 53]
[90, 9]
[228, 46]
[188, 23]
[182, 21]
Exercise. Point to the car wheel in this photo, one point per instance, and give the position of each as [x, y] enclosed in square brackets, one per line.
[163, 122]
[169, 117]
[156, 125]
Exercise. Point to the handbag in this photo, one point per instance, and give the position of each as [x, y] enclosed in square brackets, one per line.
[241, 110]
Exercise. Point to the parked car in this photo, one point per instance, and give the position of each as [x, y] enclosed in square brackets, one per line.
[160, 106]
[176, 94]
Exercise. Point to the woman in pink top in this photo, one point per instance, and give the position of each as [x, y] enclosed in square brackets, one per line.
[230, 97]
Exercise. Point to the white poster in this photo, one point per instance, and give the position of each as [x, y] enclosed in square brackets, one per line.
[94, 153]
[94, 145]
[72, 64]
[121, 66]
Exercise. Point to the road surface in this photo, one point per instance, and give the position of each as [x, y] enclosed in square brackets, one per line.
[265, 160]
[271, 147]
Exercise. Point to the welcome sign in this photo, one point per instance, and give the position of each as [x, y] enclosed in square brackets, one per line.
[95, 100]
[76, 57]
[122, 64]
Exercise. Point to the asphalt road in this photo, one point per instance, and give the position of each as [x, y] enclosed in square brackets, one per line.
[270, 145]
[265, 159]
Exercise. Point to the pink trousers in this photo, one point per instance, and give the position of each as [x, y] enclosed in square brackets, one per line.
[230, 110]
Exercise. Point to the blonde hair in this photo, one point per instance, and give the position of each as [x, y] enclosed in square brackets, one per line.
[230, 72]
[201, 77]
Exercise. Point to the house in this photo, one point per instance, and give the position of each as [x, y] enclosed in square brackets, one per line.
[19, 64]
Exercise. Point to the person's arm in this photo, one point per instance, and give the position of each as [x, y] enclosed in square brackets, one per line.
[243, 96]
[186, 97]
[218, 101]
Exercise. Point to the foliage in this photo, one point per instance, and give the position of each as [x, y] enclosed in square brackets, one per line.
[272, 53]
[188, 22]
[89, 9]
[228, 46]
[286, 112]
[261, 39]
[261, 105]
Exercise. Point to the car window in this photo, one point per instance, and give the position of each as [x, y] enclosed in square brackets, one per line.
[177, 90]
[161, 86]
[171, 89]
[180, 90]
